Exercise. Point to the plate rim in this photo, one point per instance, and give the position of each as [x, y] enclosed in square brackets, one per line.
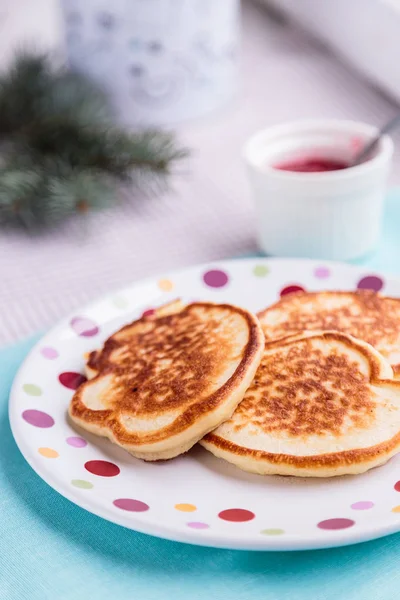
[289, 542]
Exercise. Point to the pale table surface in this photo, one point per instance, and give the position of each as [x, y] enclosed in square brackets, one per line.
[209, 215]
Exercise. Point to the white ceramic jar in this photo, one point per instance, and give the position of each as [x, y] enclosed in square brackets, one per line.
[332, 215]
[162, 61]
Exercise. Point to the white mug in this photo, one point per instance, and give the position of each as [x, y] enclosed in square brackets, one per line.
[330, 215]
[162, 61]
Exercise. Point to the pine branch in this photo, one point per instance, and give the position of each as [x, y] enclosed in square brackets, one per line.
[110, 149]
[61, 154]
[39, 195]
[31, 95]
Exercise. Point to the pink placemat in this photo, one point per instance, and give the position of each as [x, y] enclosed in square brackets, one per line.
[209, 215]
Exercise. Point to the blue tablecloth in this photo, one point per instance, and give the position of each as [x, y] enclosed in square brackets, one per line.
[52, 550]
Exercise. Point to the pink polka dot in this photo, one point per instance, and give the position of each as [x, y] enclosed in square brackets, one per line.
[149, 312]
[71, 380]
[322, 272]
[362, 505]
[333, 524]
[84, 327]
[215, 278]
[37, 418]
[131, 505]
[290, 289]
[397, 486]
[198, 525]
[102, 468]
[370, 282]
[76, 442]
[236, 515]
[49, 353]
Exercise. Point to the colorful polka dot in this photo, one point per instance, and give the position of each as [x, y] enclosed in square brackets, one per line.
[84, 327]
[260, 271]
[322, 272]
[334, 524]
[48, 452]
[396, 509]
[71, 380]
[215, 278]
[236, 515]
[291, 289]
[131, 505]
[362, 505]
[272, 531]
[82, 484]
[76, 442]
[198, 525]
[102, 468]
[371, 282]
[49, 353]
[165, 285]
[149, 312]
[31, 389]
[186, 507]
[397, 486]
[37, 418]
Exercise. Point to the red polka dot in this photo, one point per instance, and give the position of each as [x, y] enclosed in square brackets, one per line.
[103, 468]
[236, 515]
[215, 278]
[397, 486]
[131, 505]
[71, 380]
[371, 282]
[332, 524]
[290, 289]
[148, 313]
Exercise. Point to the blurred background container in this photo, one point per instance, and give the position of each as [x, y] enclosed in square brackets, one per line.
[163, 61]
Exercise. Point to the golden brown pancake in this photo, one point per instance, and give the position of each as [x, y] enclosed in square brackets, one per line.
[364, 314]
[321, 404]
[159, 384]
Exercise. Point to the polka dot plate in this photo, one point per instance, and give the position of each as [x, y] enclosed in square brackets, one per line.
[195, 498]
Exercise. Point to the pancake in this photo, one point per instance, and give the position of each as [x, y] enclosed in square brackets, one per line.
[364, 314]
[160, 383]
[322, 404]
[98, 360]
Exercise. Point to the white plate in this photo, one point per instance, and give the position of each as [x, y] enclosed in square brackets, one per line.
[195, 498]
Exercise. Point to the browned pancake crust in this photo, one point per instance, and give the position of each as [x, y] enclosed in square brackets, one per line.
[372, 318]
[150, 361]
[335, 389]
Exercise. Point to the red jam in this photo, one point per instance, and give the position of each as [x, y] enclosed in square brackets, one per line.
[312, 165]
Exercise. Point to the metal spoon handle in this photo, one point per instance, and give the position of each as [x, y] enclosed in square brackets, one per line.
[363, 154]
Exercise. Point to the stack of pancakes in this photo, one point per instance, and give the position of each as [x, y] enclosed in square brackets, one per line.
[307, 388]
